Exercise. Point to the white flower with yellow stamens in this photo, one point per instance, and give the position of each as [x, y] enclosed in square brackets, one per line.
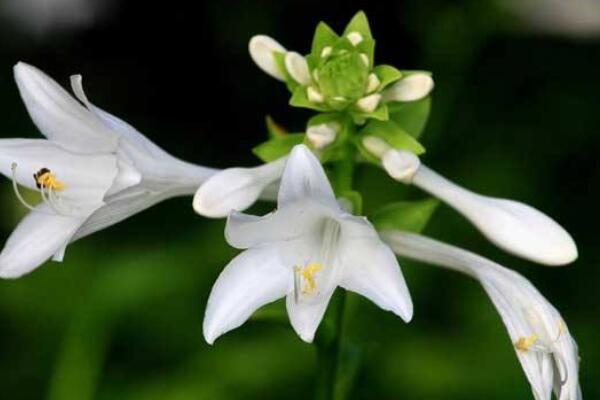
[92, 171]
[303, 251]
[545, 348]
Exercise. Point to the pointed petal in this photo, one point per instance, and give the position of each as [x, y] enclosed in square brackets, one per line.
[254, 278]
[284, 225]
[38, 237]
[235, 189]
[261, 49]
[371, 269]
[304, 178]
[305, 316]
[512, 226]
[59, 116]
[413, 87]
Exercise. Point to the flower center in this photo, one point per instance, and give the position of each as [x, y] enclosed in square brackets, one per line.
[48, 185]
[310, 277]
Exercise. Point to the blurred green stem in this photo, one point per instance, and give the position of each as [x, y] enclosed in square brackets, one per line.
[329, 340]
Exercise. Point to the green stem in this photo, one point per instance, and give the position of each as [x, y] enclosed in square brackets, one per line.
[329, 341]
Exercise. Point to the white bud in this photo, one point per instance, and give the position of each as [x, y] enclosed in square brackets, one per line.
[373, 83]
[400, 165]
[513, 226]
[326, 52]
[322, 135]
[376, 145]
[355, 38]
[297, 68]
[235, 189]
[315, 75]
[365, 59]
[413, 87]
[369, 103]
[314, 95]
[261, 49]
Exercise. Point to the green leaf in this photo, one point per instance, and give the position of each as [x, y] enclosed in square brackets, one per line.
[277, 147]
[300, 99]
[387, 74]
[396, 137]
[411, 116]
[274, 129]
[359, 23]
[411, 216]
[324, 36]
[380, 114]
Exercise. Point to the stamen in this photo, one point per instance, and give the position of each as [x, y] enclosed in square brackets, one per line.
[525, 343]
[13, 168]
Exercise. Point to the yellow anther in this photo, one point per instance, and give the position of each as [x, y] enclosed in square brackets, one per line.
[44, 178]
[525, 343]
[308, 273]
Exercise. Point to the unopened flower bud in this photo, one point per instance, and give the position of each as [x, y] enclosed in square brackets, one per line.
[369, 103]
[314, 95]
[355, 38]
[297, 67]
[401, 165]
[322, 135]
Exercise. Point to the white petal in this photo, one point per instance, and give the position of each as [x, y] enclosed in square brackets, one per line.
[297, 68]
[513, 226]
[371, 269]
[59, 116]
[254, 278]
[284, 225]
[304, 178]
[261, 49]
[127, 176]
[523, 309]
[87, 177]
[38, 236]
[118, 209]
[305, 316]
[411, 88]
[150, 160]
[235, 189]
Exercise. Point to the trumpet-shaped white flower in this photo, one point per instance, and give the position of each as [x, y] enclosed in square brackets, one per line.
[513, 226]
[303, 251]
[93, 171]
[544, 346]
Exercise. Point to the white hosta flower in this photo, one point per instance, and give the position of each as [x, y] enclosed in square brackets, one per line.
[303, 251]
[261, 48]
[544, 346]
[235, 189]
[513, 226]
[92, 171]
[411, 88]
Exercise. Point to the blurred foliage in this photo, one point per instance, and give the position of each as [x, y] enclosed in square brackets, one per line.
[513, 115]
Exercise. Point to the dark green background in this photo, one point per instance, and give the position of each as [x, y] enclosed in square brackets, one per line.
[515, 114]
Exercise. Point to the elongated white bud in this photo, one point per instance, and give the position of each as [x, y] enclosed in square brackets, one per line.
[413, 87]
[261, 48]
[322, 135]
[297, 68]
[235, 189]
[376, 145]
[515, 227]
[400, 165]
